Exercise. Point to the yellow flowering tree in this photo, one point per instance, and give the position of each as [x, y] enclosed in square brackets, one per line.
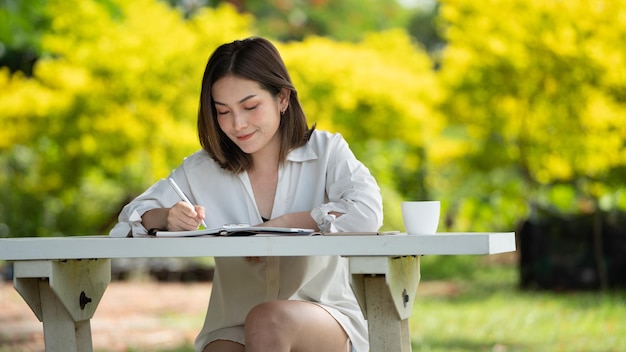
[535, 104]
[111, 106]
[523, 111]
[379, 94]
[112, 103]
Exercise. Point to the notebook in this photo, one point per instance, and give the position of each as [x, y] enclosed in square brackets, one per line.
[234, 230]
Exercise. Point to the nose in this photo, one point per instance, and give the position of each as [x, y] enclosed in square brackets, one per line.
[239, 121]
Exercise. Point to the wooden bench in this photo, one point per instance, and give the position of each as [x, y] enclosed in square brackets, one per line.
[63, 278]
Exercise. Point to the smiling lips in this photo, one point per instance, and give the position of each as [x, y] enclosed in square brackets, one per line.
[245, 137]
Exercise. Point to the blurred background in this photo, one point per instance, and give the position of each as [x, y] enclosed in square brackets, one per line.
[512, 113]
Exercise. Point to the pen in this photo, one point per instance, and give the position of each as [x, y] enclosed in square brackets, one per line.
[182, 196]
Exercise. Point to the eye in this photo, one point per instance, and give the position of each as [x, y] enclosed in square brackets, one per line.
[222, 112]
[252, 107]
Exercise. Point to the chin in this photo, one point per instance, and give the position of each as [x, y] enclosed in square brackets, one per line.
[248, 149]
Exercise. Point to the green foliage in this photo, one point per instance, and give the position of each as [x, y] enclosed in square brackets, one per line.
[337, 19]
[21, 23]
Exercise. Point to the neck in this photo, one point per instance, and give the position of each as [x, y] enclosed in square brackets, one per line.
[266, 159]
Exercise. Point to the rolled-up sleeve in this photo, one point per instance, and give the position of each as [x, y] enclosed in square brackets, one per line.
[351, 190]
[129, 220]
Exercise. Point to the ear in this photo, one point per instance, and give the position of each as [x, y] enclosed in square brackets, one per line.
[283, 98]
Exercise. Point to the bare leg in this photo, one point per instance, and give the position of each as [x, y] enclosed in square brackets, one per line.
[224, 346]
[293, 326]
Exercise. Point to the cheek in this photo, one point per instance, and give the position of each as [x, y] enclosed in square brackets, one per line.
[222, 123]
[265, 117]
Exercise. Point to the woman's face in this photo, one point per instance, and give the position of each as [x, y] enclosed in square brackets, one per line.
[248, 114]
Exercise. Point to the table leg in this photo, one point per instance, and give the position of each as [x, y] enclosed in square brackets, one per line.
[387, 331]
[61, 332]
[64, 296]
[386, 289]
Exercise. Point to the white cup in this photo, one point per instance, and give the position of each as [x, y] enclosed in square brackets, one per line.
[421, 217]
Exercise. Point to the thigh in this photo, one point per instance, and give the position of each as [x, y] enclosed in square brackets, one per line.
[304, 326]
[224, 346]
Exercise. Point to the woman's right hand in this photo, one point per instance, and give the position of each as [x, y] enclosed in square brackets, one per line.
[180, 217]
[184, 217]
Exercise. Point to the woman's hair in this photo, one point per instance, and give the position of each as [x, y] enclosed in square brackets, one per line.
[258, 60]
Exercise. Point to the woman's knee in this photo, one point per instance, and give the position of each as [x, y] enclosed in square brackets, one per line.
[269, 327]
[269, 315]
[285, 325]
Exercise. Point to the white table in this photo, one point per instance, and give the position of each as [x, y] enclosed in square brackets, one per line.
[63, 278]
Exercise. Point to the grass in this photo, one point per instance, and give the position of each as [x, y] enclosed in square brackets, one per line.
[468, 305]
[487, 312]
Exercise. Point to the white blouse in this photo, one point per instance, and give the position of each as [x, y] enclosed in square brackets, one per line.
[320, 177]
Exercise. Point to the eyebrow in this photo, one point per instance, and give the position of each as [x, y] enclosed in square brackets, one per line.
[239, 102]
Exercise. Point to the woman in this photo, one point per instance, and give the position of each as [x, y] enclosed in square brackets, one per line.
[261, 164]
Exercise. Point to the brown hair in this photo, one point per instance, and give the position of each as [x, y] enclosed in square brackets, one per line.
[258, 60]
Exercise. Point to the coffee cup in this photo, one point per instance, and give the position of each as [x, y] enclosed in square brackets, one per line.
[421, 217]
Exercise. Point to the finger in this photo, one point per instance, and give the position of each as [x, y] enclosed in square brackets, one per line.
[182, 216]
[200, 211]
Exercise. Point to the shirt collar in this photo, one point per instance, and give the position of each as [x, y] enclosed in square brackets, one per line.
[303, 153]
